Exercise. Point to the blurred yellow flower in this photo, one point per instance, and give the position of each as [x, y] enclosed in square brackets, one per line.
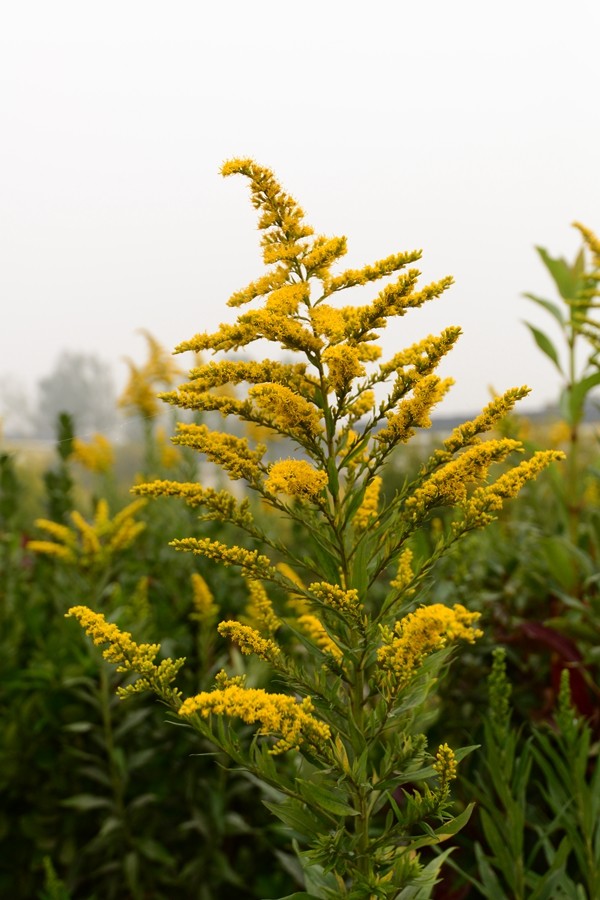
[90, 545]
[96, 455]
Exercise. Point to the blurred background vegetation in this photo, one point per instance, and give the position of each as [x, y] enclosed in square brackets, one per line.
[108, 799]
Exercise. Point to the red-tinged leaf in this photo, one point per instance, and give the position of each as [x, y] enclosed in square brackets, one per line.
[558, 643]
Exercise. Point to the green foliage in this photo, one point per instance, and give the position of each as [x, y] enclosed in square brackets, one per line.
[535, 833]
[103, 788]
[59, 481]
[577, 360]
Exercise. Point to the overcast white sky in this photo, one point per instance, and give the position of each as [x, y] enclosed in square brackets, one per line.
[467, 128]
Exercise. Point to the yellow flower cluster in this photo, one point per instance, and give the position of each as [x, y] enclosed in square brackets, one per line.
[592, 241]
[216, 374]
[251, 562]
[90, 544]
[489, 499]
[413, 412]
[423, 356]
[311, 626]
[284, 301]
[367, 511]
[232, 453]
[296, 600]
[449, 484]
[379, 269]
[278, 714]
[221, 504]
[467, 433]
[168, 455]
[205, 608]
[96, 455]
[344, 365]
[188, 396]
[446, 767]
[417, 635]
[297, 478]
[144, 381]
[131, 657]
[250, 641]
[336, 597]
[259, 610]
[285, 233]
[405, 573]
[286, 410]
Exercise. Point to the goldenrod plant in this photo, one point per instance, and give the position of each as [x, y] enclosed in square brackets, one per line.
[578, 361]
[140, 399]
[338, 607]
[538, 798]
[90, 546]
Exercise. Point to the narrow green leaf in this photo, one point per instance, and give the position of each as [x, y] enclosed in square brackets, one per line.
[331, 801]
[450, 828]
[545, 345]
[578, 394]
[550, 307]
[292, 814]
[84, 802]
[564, 276]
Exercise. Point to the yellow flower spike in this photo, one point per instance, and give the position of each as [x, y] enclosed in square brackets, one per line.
[448, 485]
[125, 535]
[343, 365]
[287, 410]
[259, 611]
[230, 452]
[379, 269]
[590, 239]
[131, 657]
[467, 433]
[128, 512]
[413, 412]
[168, 455]
[49, 548]
[285, 300]
[215, 374]
[330, 321]
[251, 562]
[324, 252]
[446, 766]
[56, 530]
[336, 597]
[297, 478]
[487, 500]
[367, 511]
[90, 544]
[101, 516]
[422, 357]
[97, 455]
[90, 539]
[416, 636]
[205, 608]
[250, 641]
[281, 219]
[405, 572]
[362, 406]
[221, 504]
[313, 628]
[278, 714]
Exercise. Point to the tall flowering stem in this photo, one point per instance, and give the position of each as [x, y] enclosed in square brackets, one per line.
[336, 607]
